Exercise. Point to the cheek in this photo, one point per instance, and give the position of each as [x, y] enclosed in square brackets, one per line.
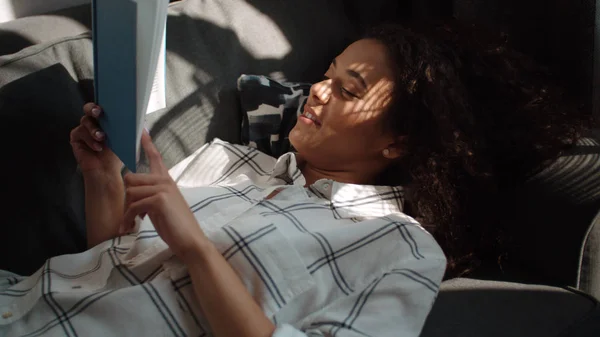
[348, 126]
[353, 118]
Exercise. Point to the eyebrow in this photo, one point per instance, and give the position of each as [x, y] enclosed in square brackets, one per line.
[354, 74]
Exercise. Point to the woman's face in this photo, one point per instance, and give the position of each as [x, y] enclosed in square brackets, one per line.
[342, 124]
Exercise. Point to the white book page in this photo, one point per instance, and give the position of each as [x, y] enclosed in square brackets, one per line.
[158, 99]
[151, 23]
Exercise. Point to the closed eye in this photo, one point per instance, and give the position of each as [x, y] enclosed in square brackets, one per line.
[343, 91]
[347, 93]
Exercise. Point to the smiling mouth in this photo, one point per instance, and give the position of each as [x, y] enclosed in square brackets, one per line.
[311, 117]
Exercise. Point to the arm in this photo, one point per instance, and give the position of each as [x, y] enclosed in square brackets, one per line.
[104, 206]
[394, 304]
[228, 306]
[225, 301]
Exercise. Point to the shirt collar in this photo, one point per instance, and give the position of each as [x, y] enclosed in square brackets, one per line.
[347, 200]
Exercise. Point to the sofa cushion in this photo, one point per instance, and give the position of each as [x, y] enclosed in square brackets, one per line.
[24, 32]
[270, 111]
[468, 307]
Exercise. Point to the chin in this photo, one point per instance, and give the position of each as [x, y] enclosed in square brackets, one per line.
[294, 136]
[302, 141]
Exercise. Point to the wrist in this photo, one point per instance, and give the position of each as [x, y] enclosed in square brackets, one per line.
[200, 254]
[103, 178]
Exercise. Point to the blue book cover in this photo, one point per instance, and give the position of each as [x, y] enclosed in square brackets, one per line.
[115, 79]
[127, 36]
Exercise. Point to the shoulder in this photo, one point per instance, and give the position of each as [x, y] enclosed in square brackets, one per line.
[220, 160]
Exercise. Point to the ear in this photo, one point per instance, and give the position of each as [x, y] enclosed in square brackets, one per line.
[395, 149]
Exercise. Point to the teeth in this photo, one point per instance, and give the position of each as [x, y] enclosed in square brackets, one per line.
[310, 116]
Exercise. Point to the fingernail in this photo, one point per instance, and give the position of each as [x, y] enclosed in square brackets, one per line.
[96, 112]
[145, 128]
[99, 134]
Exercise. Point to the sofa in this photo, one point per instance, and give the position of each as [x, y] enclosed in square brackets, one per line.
[549, 287]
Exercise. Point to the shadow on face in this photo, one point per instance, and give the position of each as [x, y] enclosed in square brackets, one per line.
[344, 118]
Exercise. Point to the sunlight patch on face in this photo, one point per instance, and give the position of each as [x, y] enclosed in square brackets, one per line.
[323, 90]
[361, 68]
[377, 99]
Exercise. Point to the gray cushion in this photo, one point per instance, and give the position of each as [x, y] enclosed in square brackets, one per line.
[589, 265]
[18, 34]
[467, 307]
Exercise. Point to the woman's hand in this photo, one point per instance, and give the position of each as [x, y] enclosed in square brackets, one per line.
[230, 308]
[88, 143]
[157, 195]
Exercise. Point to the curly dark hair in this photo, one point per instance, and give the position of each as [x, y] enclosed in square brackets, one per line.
[479, 117]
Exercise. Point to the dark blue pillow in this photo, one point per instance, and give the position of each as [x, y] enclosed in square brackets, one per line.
[270, 110]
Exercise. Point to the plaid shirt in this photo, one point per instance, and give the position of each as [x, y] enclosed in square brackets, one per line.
[328, 259]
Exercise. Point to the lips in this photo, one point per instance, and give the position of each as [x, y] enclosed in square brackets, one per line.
[310, 114]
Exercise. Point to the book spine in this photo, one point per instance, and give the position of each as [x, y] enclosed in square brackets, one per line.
[95, 55]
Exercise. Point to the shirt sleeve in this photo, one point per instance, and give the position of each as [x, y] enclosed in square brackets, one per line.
[394, 304]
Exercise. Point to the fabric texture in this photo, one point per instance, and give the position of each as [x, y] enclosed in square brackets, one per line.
[28, 31]
[328, 259]
[474, 308]
[271, 109]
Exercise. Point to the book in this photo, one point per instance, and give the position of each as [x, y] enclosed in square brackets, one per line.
[129, 40]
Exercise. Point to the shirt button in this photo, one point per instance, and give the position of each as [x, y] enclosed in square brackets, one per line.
[7, 315]
[326, 186]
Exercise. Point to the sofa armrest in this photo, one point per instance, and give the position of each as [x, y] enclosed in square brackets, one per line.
[588, 279]
[469, 307]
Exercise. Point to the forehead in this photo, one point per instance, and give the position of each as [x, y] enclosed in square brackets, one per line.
[369, 58]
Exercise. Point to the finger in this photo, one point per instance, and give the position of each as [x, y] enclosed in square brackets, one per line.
[154, 158]
[136, 193]
[80, 135]
[141, 179]
[137, 208]
[92, 110]
[93, 128]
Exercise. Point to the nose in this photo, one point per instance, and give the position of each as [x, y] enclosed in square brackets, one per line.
[320, 93]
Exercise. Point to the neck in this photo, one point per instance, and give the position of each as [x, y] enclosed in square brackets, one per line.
[313, 173]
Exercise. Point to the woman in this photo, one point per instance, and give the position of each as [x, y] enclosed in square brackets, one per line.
[313, 243]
